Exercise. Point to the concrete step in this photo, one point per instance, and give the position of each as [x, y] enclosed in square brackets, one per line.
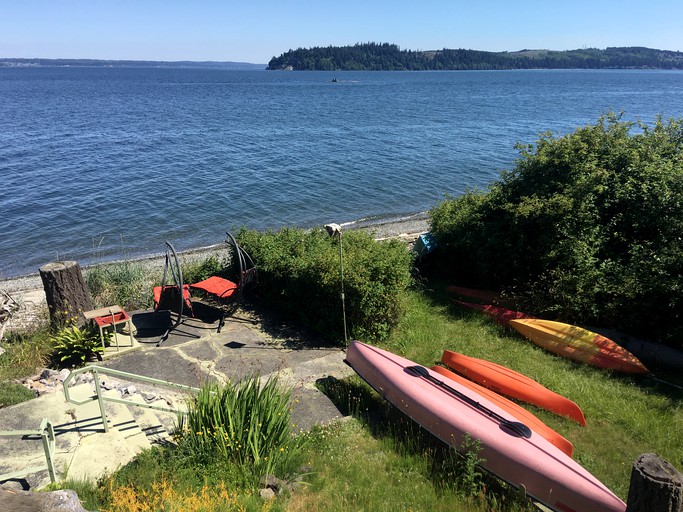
[103, 453]
[158, 426]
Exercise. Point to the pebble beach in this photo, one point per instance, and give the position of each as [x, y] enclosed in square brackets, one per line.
[407, 229]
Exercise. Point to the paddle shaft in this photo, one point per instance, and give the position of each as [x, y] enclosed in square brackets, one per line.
[517, 427]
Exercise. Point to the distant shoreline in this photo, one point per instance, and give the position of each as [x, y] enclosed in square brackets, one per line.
[407, 227]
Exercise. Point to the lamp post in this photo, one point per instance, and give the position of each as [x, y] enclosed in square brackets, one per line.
[334, 230]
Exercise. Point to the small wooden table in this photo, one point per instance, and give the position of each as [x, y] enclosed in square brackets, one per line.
[110, 317]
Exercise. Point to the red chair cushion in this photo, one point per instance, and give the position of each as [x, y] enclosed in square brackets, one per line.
[222, 288]
[157, 295]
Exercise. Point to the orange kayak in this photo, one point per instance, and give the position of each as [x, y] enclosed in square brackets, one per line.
[515, 410]
[510, 383]
[500, 315]
[579, 344]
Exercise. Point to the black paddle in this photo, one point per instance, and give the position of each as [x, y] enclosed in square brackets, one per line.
[515, 426]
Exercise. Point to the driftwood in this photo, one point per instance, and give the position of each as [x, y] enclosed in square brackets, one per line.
[7, 308]
[66, 293]
[656, 486]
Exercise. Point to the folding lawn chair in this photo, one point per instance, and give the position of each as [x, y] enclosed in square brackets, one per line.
[173, 295]
[226, 294]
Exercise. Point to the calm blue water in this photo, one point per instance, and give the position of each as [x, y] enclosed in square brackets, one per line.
[97, 164]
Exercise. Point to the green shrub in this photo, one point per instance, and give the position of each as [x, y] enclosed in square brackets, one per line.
[586, 228]
[244, 423]
[125, 283]
[299, 274]
[198, 270]
[74, 346]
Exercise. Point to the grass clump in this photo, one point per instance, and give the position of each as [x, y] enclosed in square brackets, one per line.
[246, 423]
[126, 283]
[299, 274]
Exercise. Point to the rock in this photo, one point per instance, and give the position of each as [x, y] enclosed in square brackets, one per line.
[39, 388]
[62, 375]
[150, 397]
[267, 494]
[2, 351]
[27, 501]
[129, 390]
[48, 373]
[109, 384]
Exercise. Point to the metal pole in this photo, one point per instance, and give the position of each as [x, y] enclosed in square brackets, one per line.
[343, 298]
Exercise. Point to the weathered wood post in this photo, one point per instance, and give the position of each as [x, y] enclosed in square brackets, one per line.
[656, 486]
[66, 292]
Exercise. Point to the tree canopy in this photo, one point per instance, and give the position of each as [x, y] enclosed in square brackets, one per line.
[389, 57]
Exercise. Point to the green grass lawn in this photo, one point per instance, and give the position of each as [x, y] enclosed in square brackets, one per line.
[379, 460]
[626, 415]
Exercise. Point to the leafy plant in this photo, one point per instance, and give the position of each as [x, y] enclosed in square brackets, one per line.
[300, 274]
[246, 423]
[74, 346]
[586, 228]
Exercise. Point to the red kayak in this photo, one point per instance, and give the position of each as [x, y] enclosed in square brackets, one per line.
[518, 412]
[510, 383]
[499, 314]
[509, 448]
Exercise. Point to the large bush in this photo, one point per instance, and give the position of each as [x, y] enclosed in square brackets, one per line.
[587, 227]
[299, 273]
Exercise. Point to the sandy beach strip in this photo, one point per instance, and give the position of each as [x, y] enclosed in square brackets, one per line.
[406, 228]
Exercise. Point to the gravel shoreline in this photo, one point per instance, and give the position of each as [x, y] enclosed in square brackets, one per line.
[407, 229]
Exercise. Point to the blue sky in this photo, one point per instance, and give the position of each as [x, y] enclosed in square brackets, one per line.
[255, 31]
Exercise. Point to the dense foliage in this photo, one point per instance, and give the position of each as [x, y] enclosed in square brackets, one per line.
[588, 227]
[299, 274]
[389, 57]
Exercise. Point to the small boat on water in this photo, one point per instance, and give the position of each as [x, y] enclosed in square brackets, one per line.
[509, 449]
[518, 412]
[579, 344]
[510, 383]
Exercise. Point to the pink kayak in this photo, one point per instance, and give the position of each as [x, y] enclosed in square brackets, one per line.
[510, 449]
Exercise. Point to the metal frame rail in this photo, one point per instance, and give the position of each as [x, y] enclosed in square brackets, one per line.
[97, 370]
[47, 435]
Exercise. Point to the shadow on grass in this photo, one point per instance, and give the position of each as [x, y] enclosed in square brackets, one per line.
[448, 469]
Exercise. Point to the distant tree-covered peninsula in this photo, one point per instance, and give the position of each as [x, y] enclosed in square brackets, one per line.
[389, 57]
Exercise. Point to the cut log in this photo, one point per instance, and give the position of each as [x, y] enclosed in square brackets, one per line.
[66, 292]
[656, 486]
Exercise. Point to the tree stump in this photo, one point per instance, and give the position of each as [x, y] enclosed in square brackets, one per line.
[656, 486]
[67, 295]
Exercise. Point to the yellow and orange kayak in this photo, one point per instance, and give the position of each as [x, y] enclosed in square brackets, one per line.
[579, 344]
[510, 383]
[515, 410]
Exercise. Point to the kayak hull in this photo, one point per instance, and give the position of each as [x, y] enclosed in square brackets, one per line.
[579, 344]
[518, 412]
[451, 412]
[510, 383]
